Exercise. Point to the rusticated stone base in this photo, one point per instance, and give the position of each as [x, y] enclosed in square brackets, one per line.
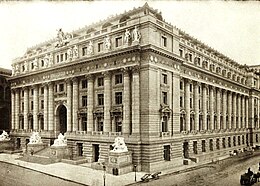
[34, 148]
[60, 152]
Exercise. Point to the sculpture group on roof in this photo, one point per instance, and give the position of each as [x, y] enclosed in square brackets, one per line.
[63, 39]
[4, 136]
[119, 145]
[35, 138]
[61, 141]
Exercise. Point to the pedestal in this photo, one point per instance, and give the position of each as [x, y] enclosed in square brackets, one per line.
[34, 148]
[6, 145]
[119, 163]
[60, 152]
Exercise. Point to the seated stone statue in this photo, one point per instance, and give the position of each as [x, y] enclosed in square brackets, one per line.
[35, 138]
[61, 141]
[119, 145]
[4, 136]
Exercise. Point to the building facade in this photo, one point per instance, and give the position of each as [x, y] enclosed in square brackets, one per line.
[5, 100]
[170, 96]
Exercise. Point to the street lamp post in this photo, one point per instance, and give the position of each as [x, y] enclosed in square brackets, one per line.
[135, 171]
[104, 176]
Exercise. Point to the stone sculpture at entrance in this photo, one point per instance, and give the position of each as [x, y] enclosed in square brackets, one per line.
[61, 141]
[35, 138]
[4, 136]
[119, 145]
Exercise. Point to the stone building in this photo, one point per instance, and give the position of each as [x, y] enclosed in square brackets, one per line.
[174, 99]
[5, 100]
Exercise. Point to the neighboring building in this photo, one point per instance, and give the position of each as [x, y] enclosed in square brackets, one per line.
[5, 100]
[170, 96]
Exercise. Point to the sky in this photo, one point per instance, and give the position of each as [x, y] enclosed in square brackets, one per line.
[230, 27]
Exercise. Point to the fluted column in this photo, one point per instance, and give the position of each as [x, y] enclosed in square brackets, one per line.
[239, 110]
[224, 110]
[50, 107]
[229, 109]
[196, 105]
[13, 109]
[218, 108]
[69, 105]
[90, 103]
[35, 107]
[126, 107]
[136, 101]
[45, 107]
[17, 108]
[234, 111]
[204, 106]
[75, 104]
[243, 112]
[187, 104]
[26, 108]
[246, 100]
[107, 102]
[211, 106]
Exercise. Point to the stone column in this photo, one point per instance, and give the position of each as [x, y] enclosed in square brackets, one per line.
[211, 106]
[224, 110]
[196, 105]
[126, 107]
[35, 107]
[17, 108]
[50, 108]
[187, 104]
[90, 103]
[45, 107]
[13, 109]
[243, 112]
[234, 111]
[239, 111]
[246, 99]
[176, 103]
[136, 101]
[69, 105]
[204, 106]
[26, 108]
[229, 109]
[107, 102]
[75, 104]
[218, 108]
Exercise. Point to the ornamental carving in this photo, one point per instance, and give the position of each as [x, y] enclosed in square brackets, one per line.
[62, 38]
[116, 111]
[165, 111]
[107, 43]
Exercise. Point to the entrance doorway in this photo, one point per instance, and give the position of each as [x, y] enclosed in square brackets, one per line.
[95, 152]
[186, 150]
[80, 149]
[62, 118]
[18, 143]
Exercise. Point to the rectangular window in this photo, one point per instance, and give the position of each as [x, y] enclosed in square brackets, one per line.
[84, 51]
[164, 97]
[164, 76]
[119, 41]
[32, 92]
[42, 90]
[234, 140]
[100, 99]
[118, 79]
[66, 56]
[191, 104]
[181, 52]
[84, 123]
[211, 144]
[181, 85]
[203, 145]
[164, 41]
[84, 101]
[31, 105]
[56, 88]
[190, 57]
[58, 58]
[61, 87]
[22, 94]
[191, 88]
[32, 66]
[84, 84]
[23, 68]
[61, 57]
[100, 124]
[100, 47]
[195, 147]
[217, 144]
[223, 143]
[181, 102]
[229, 142]
[118, 124]
[167, 152]
[118, 98]
[164, 124]
[22, 106]
[42, 104]
[100, 81]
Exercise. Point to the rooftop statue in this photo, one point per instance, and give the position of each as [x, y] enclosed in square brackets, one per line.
[61, 141]
[4, 136]
[62, 38]
[119, 145]
[35, 138]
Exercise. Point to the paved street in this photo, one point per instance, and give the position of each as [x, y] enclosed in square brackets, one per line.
[223, 173]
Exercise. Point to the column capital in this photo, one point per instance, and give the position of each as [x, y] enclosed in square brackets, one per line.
[90, 77]
[68, 80]
[212, 87]
[205, 85]
[74, 79]
[186, 80]
[107, 74]
[197, 83]
[25, 88]
[125, 70]
[135, 69]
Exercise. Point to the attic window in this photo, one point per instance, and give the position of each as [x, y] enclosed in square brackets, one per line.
[107, 24]
[124, 18]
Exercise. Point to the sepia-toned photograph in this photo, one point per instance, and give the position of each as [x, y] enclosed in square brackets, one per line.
[129, 93]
